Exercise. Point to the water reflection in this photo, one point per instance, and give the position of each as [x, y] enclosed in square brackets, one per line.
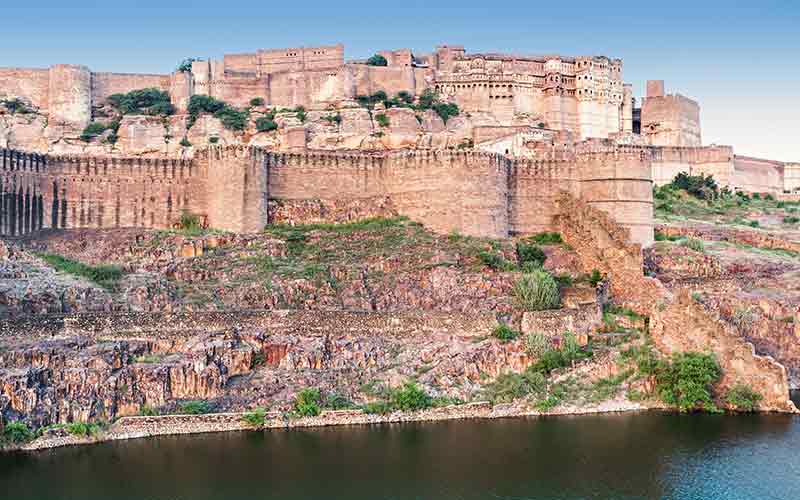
[622, 456]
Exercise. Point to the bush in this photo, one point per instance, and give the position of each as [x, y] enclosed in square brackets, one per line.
[446, 110]
[695, 244]
[377, 60]
[791, 219]
[410, 397]
[82, 429]
[382, 120]
[686, 382]
[699, 186]
[510, 386]
[495, 261]
[256, 101]
[300, 113]
[185, 143]
[595, 277]
[504, 333]
[97, 128]
[530, 254]
[742, 398]
[307, 402]
[333, 119]
[537, 290]
[536, 344]
[336, 401]
[189, 222]
[186, 65]
[264, 124]
[106, 276]
[148, 411]
[231, 118]
[377, 408]
[255, 418]
[546, 238]
[17, 432]
[150, 101]
[196, 407]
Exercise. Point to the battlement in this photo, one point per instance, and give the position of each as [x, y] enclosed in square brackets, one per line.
[12, 160]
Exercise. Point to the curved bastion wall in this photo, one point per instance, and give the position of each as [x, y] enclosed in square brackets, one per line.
[243, 188]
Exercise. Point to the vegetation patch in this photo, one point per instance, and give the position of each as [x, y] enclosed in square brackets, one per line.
[537, 290]
[106, 276]
[195, 407]
[505, 333]
[149, 101]
[255, 418]
[231, 118]
[743, 398]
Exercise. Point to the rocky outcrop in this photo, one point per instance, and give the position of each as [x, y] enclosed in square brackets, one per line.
[603, 245]
[686, 325]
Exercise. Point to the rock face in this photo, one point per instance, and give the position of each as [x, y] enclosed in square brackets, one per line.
[685, 325]
[102, 367]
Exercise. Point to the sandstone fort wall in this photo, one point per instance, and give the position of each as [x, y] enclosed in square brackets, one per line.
[31, 85]
[474, 193]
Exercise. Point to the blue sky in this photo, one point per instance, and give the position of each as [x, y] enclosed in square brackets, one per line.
[741, 60]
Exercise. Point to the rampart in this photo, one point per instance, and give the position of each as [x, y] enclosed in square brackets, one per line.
[237, 188]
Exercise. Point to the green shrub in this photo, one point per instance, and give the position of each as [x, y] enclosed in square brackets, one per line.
[546, 238]
[495, 261]
[256, 101]
[336, 401]
[82, 429]
[149, 101]
[300, 113]
[307, 402]
[333, 119]
[213, 140]
[107, 276]
[17, 432]
[536, 344]
[148, 411]
[595, 277]
[756, 196]
[377, 408]
[410, 397]
[95, 129]
[446, 110]
[537, 290]
[699, 186]
[264, 124]
[686, 382]
[791, 219]
[231, 118]
[377, 60]
[743, 398]
[504, 333]
[695, 244]
[195, 407]
[185, 143]
[186, 65]
[382, 120]
[255, 418]
[510, 386]
[530, 254]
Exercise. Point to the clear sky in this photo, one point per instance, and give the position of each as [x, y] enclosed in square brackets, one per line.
[741, 60]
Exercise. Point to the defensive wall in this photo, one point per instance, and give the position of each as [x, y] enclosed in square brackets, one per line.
[234, 188]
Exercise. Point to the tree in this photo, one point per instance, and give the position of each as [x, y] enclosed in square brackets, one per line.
[377, 60]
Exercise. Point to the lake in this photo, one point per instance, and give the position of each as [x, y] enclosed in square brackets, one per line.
[646, 455]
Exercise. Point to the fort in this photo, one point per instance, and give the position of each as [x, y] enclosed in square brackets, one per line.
[529, 128]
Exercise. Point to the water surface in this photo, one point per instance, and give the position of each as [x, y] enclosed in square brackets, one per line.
[649, 455]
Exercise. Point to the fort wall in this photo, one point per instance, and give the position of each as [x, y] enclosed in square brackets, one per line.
[670, 120]
[243, 189]
[106, 84]
[40, 192]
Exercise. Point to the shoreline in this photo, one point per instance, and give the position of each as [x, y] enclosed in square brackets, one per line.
[139, 427]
